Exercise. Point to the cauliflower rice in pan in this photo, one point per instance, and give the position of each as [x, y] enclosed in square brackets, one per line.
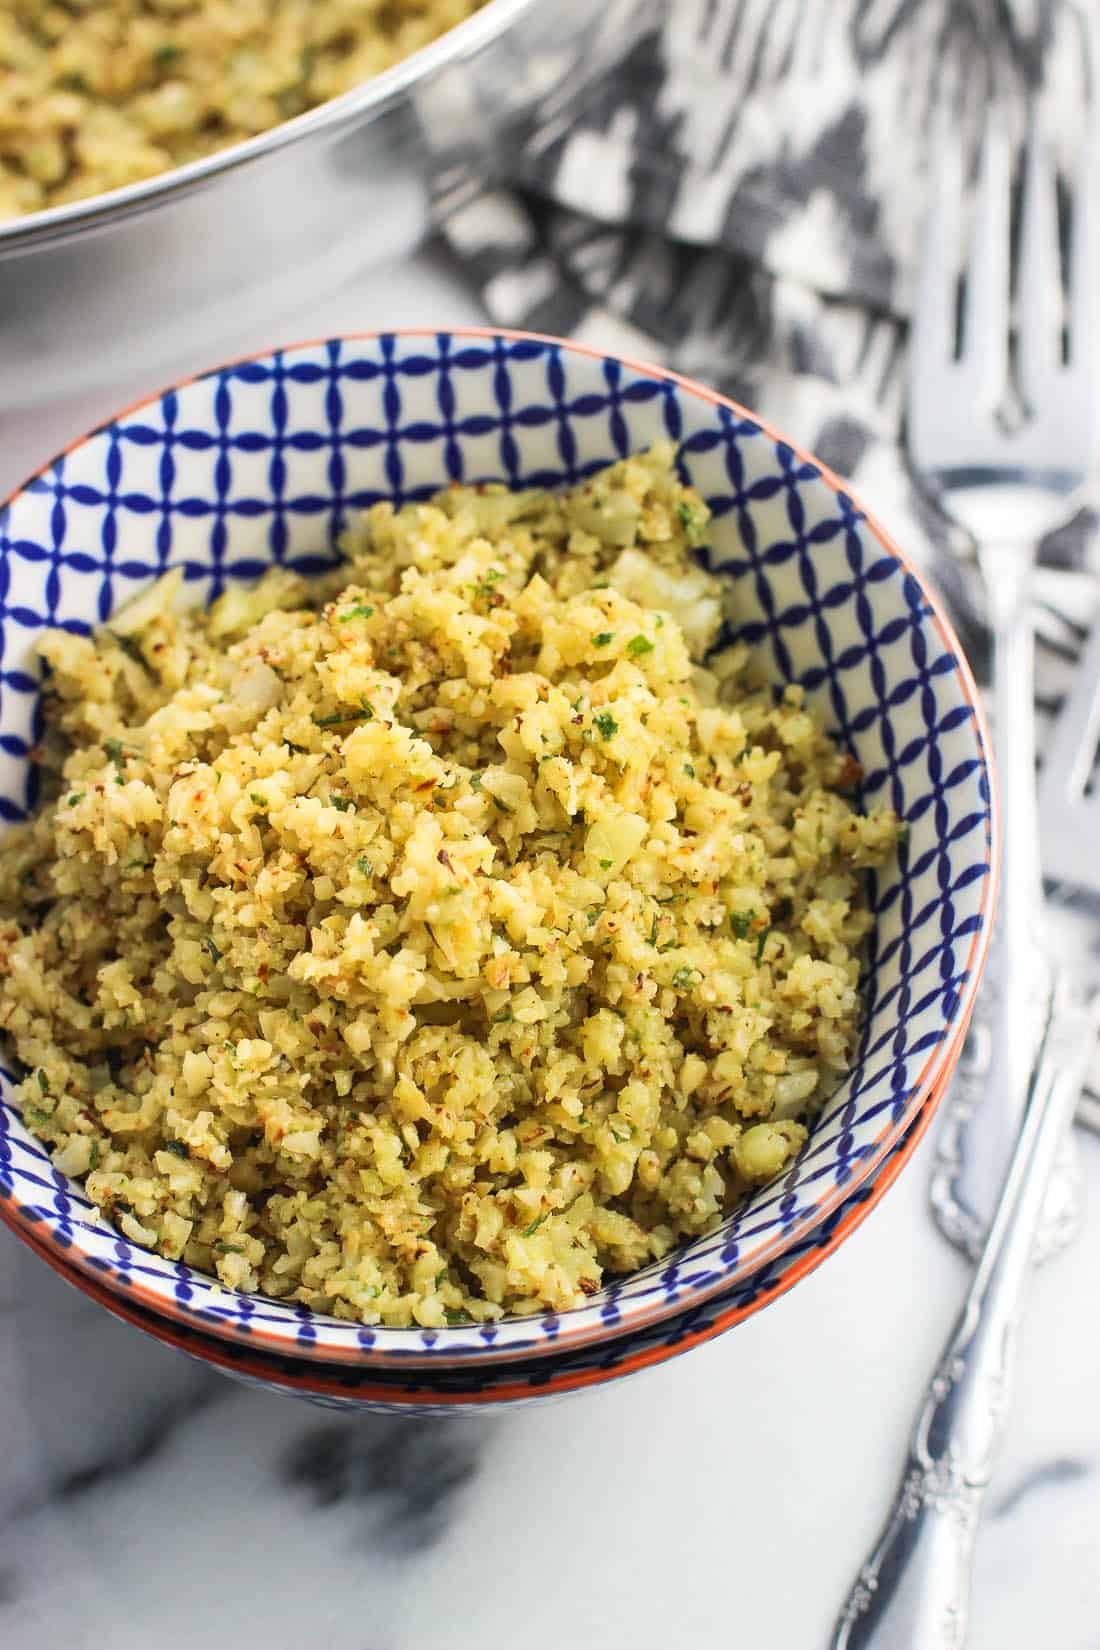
[95, 94]
[434, 939]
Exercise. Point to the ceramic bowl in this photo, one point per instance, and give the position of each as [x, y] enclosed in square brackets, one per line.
[265, 461]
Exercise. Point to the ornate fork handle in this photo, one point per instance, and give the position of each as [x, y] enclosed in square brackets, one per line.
[913, 1591]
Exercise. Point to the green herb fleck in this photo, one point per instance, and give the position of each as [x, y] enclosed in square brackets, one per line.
[360, 611]
[77, 796]
[606, 724]
[341, 803]
[604, 639]
[215, 954]
[741, 922]
[454, 1316]
[492, 577]
[365, 865]
[529, 1231]
[166, 54]
[35, 1116]
[639, 646]
[228, 1248]
[177, 1147]
[689, 770]
[606, 864]
[114, 750]
[504, 1018]
[43, 1081]
[653, 933]
[344, 717]
[503, 806]
[685, 978]
[475, 782]
[73, 82]
[257, 800]
[690, 522]
[762, 942]
[93, 1156]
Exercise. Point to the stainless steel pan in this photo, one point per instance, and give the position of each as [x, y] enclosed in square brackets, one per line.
[91, 290]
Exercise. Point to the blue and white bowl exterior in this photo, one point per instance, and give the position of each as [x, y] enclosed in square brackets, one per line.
[267, 460]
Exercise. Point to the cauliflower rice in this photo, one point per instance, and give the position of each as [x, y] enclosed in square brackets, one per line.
[95, 94]
[431, 940]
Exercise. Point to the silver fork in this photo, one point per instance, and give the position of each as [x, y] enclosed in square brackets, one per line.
[913, 1591]
[1007, 488]
[1070, 811]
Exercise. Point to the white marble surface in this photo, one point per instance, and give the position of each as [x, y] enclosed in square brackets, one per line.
[722, 1500]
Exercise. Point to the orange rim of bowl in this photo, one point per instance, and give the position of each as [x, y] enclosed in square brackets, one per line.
[925, 1090]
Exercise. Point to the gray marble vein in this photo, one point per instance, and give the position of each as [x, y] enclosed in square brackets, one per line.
[406, 1480]
[122, 1396]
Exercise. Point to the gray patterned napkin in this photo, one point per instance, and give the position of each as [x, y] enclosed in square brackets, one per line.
[743, 200]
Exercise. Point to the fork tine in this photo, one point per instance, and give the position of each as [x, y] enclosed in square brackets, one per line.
[1084, 335]
[1072, 750]
[985, 308]
[932, 334]
[934, 312]
[1039, 286]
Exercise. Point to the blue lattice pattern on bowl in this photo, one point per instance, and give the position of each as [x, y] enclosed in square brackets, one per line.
[266, 460]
